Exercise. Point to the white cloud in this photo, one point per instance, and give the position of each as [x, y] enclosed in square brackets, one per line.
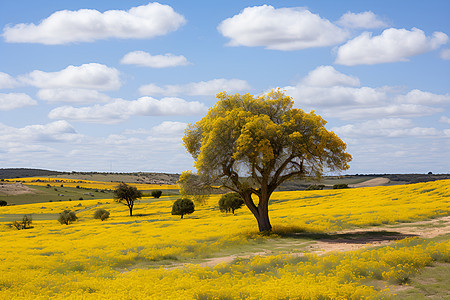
[392, 128]
[419, 97]
[365, 20]
[444, 119]
[383, 109]
[315, 97]
[328, 76]
[15, 100]
[87, 76]
[141, 58]
[79, 96]
[170, 128]
[88, 25]
[59, 131]
[337, 95]
[120, 110]
[166, 128]
[202, 88]
[280, 29]
[445, 54]
[7, 81]
[391, 46]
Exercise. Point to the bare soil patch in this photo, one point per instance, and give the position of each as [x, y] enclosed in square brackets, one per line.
[371, 182]
[10, 189]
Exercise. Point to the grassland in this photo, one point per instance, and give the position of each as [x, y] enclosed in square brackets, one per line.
[211, 255]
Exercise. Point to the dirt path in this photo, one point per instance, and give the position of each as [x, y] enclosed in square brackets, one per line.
[349, 240]
[371, 183]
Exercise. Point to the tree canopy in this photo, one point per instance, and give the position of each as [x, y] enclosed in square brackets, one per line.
[251, 145]
[183, 206]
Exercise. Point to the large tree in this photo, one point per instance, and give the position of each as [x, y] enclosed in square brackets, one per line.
[127, 194]
[251, 145]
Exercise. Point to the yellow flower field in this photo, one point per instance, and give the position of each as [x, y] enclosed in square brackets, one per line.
[43, 181]
[154, 255]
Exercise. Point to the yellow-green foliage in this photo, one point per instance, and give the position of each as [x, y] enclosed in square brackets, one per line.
[144, 257]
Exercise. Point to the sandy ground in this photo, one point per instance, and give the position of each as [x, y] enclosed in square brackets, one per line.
[371, 183]
[15, 189]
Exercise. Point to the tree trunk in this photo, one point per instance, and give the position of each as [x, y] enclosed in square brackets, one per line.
[261, 212]
[263, 218]
[182, 216]
[131, 210]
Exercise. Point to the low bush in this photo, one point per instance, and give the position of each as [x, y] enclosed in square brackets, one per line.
[3, 203]
[24, 224]
[101, 214]
[156, 194]
[67, 217]
[340, 186]
[315, 187]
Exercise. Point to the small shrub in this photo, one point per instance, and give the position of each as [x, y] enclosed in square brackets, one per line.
[101, 214]
[3, 203]
[315, 187]
[81, 198]
[156, 194]
[183, 206]
[67, 217]
[24, 224]
[340, 186]
[230, 202]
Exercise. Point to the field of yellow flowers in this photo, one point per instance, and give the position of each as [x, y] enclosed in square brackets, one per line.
[154, 255]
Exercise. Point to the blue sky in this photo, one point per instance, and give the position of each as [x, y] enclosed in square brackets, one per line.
[111, 85]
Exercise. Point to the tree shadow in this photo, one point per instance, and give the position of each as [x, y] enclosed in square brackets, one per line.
[356, 237]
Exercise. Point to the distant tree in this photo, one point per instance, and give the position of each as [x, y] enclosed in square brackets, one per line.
[67, 217]
[156, 194]
[340, 186]
[183, 206]
[313, 187]
[251, 145]
[127, 195]
[101, 214]
[230, 202]
[3, 203]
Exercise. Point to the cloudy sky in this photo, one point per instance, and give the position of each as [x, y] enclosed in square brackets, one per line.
[110, 85]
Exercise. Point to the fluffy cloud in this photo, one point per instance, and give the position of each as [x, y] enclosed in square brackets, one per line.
[280, 29]
[88, 25]
[337, 95]
[365, 20]
[6, 81]
[391, 46]
[87, 76]
[383, 109]
[141, 58]
[59, 131]
[170, 128]
[120, 110]
[445, 54]
[202, 88]
[419, 97]
[328, 76]
[15, 100]
[392, 128]
[79, 96]
[444, 119]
